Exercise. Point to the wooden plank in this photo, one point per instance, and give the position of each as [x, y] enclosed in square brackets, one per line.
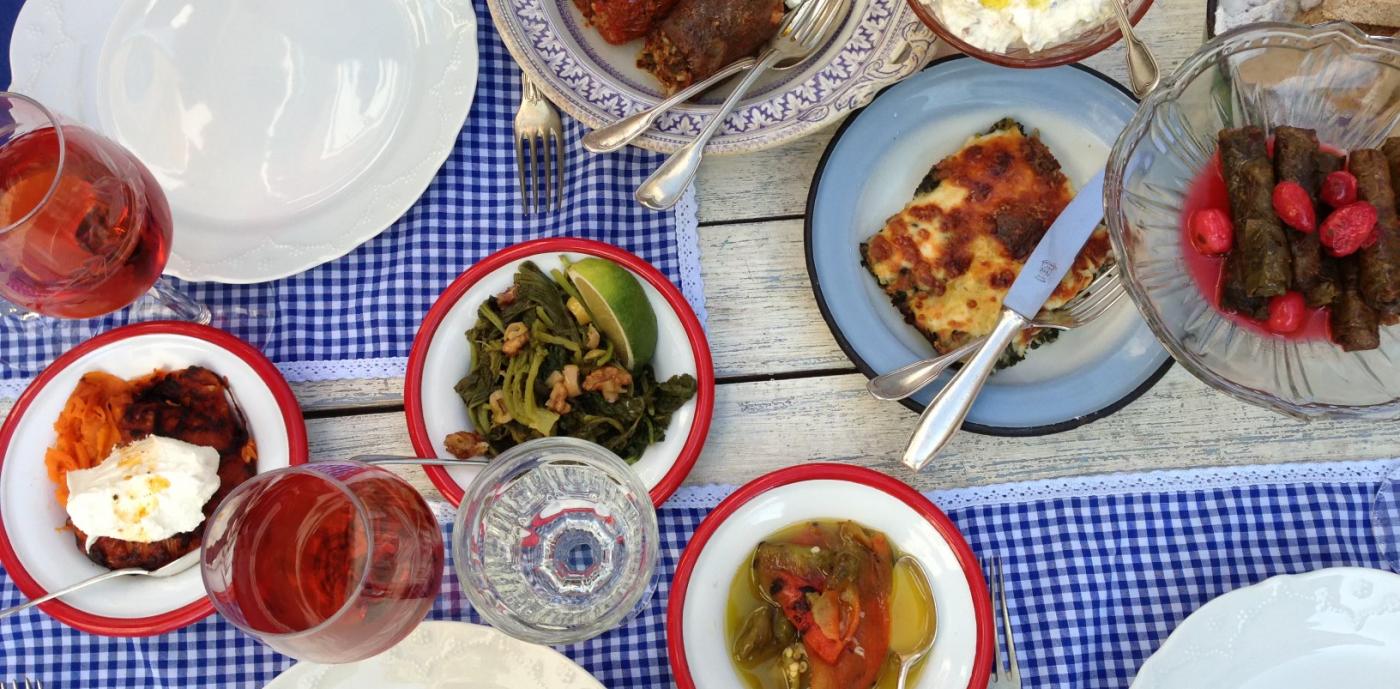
[774, 183]
[767, 425]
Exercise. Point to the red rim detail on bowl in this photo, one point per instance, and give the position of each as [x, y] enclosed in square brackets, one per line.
[981, 599]
[699, 346]
[189, 614]
[930, 19]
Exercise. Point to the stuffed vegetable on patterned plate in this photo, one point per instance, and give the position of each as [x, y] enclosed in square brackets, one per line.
[567, 353]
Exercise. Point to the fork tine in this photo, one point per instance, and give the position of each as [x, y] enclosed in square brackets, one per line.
[546, 169]
[1092, 300]
[520, 171]
[1111, 297]
[996, 637]
[559, 170]
[817, 29]
[534, 174]
[1006, 623]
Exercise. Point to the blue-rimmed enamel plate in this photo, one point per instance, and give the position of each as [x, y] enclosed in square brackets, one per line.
[870, 171]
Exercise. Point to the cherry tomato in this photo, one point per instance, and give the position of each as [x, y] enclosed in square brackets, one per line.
[1338, 189]
[1294, 207]
[1286, 313]
[1349, 228]
[1212, 233]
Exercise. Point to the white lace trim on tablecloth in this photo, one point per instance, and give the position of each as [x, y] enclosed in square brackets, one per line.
[1370, 471]
[692, 286]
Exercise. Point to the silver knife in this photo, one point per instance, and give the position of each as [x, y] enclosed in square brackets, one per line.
[1041, 274]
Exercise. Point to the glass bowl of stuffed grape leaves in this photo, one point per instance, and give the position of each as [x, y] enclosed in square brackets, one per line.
[1252, 203]
[561, 338]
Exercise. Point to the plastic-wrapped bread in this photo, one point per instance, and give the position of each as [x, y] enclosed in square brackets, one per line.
[1296, 160]
[700, 37]
[1379, 263]
[1260, 266]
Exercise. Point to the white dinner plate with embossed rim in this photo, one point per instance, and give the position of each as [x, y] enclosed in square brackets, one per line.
[440, 655]
[285, 134]
[881, 42]
[1337, 627]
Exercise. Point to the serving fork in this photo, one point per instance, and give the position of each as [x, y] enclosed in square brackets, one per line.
[1002, 676]
[801, 32]
[538, 128]
[1095, 300]
[14, 684]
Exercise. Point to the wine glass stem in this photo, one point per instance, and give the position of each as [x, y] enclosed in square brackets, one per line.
[184, 307]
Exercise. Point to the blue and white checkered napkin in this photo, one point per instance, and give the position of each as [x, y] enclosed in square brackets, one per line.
[356, 316]
[1098, 571]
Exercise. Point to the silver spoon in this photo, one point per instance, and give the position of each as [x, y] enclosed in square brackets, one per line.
[620, 133]
[420, 461]
[1143, 72]
[800, 33]
[908, 660]
[611, 137]
[183, 563]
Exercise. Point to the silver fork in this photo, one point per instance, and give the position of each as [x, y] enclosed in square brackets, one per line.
[802, 31]
[537, 125]
[1101, 295]
[14, 684]
[1002, 677]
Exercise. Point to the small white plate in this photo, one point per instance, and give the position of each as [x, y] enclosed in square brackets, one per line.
[444, 655]
[695, 629]
[284, 134]
[440, 357]
[1331, 628]
[40, 556]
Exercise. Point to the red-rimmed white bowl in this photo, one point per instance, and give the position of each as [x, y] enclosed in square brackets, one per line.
[695, 614]
[39, 556]
[440, 357]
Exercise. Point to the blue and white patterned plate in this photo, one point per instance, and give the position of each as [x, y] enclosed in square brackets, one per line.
[870, 171]
[881, 42]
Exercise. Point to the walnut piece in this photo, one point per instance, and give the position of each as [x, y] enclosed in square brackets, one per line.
[571, 380]
[507, 297]
[559, 399]
[593, 338]
[609, 380]
[465, 445]
[517, 336]
[499, 413]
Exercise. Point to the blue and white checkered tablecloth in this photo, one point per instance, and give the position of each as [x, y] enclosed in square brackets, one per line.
[1099, 571]
[356, 316]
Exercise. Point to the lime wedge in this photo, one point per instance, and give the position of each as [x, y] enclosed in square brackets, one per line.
[619, 307]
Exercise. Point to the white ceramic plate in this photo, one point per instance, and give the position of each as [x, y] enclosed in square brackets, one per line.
[1331, 628]
[881, 42]
[961, 655]
[440, 357]
[447, 655]
[284, 134]
[40, 556]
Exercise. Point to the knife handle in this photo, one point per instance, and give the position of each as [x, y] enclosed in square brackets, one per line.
[946, 412]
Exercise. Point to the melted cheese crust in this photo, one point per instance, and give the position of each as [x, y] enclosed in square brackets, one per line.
[948, 259]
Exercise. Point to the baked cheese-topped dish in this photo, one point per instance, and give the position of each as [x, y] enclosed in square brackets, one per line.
[948, 259]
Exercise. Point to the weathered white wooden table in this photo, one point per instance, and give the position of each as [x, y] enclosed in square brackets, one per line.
[787, 394]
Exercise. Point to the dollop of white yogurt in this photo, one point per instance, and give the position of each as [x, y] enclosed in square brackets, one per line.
[145, 491]
[1000, 25]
